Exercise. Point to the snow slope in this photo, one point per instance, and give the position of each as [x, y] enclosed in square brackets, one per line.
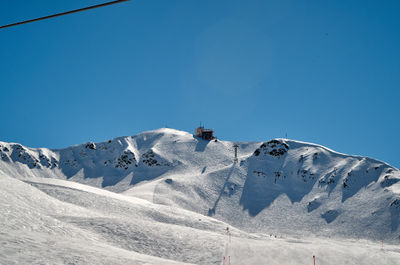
[165, 196]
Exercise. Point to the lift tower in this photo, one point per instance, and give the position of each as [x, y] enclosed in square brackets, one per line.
[236, 147]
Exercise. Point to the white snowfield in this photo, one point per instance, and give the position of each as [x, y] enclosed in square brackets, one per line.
[167, 197]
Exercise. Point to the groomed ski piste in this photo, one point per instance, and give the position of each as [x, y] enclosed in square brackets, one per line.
[168, 197]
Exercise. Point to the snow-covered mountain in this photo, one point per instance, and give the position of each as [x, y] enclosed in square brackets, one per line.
[172, 178]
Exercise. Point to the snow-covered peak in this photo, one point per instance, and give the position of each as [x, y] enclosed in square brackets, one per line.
[277, 184]
[168, 131]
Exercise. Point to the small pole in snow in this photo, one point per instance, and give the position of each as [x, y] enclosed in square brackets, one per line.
[228, 233]
[229, 260]
[314, 259]
[382, 245]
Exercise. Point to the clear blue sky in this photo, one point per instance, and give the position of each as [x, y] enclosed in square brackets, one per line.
[321, 71]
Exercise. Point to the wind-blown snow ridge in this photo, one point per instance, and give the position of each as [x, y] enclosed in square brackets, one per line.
[335, 152]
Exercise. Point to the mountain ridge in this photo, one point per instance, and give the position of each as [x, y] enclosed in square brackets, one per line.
[313, 188]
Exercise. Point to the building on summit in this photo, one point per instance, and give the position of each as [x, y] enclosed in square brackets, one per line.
[205, 134]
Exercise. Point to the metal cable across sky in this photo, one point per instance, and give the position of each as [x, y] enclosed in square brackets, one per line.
[63, 13]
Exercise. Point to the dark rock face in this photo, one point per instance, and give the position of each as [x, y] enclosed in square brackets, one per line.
[150, 159]
[21, 155]
[44, 160]
[275, 148]
[3, 153]
[125, 160]
[18, 153]
[91, 146]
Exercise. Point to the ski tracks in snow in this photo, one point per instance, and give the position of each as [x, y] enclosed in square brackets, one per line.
[226, 260]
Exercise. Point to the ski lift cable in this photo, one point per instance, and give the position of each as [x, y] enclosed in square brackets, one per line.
[64, 13]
